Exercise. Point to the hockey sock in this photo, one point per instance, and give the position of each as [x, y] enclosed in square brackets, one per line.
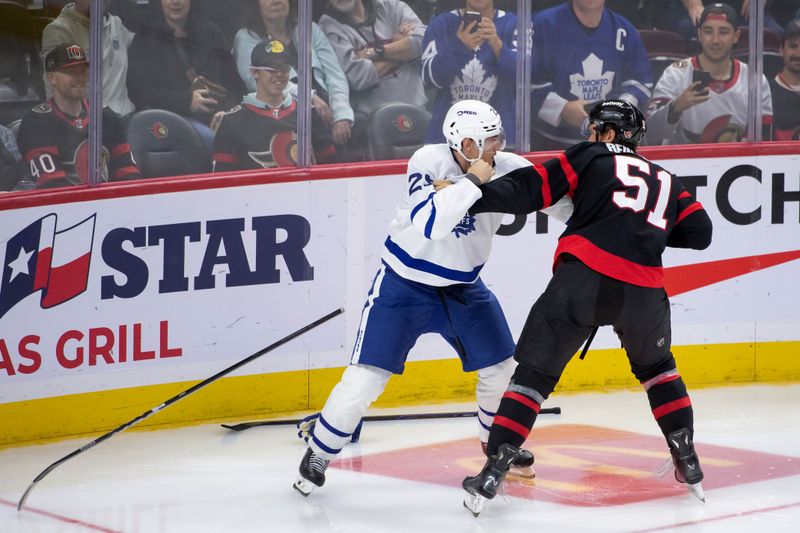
[670, 402]
[519, 406]
[515, 417]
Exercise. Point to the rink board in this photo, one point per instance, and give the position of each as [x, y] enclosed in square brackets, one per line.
[115, 299]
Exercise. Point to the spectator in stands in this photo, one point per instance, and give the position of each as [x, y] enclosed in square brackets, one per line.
[72, 27]
[179, 62]
[785, 87]
[53, 136]
[683, 16]
[469, 59]
[277, 20]
[262, 131]
[12, 167]
[378, 43]
[704, 98]
[582, 53]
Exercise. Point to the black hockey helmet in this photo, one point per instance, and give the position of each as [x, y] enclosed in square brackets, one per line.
[621, 116]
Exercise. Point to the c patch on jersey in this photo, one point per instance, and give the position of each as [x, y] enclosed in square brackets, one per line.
[42, 108]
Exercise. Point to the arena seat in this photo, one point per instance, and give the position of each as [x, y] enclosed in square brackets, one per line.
[165, 144]
[395, 131]
[14, 127]
[773, 61]
[663, 48]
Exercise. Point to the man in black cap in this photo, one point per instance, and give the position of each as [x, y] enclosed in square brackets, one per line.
[785, 87]
[704, 99]
[53, 136]
[261, 132]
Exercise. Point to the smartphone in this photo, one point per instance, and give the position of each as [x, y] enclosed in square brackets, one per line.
[469, 17]
[704, 77]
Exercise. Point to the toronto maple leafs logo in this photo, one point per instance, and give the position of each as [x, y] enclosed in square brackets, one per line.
[593, 84]
[465, 227]
[474, 83]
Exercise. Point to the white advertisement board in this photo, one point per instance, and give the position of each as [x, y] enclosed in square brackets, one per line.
[145, 289]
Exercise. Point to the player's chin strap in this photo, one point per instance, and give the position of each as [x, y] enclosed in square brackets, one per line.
[470, 160]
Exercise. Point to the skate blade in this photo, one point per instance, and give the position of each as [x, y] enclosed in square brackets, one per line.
[523, 471]
[662, 470]
[475, 503]
[696, 490]
[304, 486]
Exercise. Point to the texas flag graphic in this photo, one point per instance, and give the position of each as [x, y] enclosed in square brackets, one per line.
[39, 258]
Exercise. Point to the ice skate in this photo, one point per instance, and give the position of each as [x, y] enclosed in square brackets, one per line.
[312, 473]
[522, 466]
[484, 486]
[687, 464]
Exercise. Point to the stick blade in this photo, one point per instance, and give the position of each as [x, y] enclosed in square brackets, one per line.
[25, 496]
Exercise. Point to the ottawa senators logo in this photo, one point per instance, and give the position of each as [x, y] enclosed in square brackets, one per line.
[403, 123]
[159, 130]
[80, 162]
[722, 130]
[282, 151]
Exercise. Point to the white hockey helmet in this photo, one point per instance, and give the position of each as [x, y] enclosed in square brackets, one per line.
[472, 119]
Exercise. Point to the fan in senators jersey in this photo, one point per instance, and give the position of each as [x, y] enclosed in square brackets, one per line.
[54, 136]
[262, 131]
[607, 271]
[687, 109]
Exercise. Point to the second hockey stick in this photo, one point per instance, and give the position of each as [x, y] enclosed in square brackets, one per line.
[174, 399]
[377, 418]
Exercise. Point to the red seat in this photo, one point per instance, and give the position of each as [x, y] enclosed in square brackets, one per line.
[663, 48]
[773, 61]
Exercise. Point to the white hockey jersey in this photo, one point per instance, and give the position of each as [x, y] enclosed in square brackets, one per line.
[433, 239]
[722, 118]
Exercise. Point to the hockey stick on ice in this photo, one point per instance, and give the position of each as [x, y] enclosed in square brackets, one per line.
[377, 418]
[174, 399]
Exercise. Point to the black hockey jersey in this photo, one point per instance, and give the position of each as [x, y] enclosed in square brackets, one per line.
[627, 209]
[786, 104]
[254, 137]
[56, 146]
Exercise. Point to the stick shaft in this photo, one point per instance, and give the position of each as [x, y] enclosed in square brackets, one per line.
[379, 418]
[179, 396]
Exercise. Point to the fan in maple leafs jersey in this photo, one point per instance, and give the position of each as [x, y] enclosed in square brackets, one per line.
[461, 73]
[571, 62]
